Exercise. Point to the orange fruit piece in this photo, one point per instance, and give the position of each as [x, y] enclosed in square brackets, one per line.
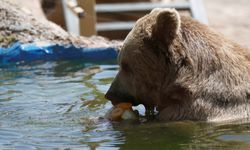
[116, 114]
[121, 111]
[124, 106]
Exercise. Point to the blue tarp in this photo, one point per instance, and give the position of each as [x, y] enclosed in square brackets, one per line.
[34, 51]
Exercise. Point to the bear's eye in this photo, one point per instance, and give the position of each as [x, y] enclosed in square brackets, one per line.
[125, 67]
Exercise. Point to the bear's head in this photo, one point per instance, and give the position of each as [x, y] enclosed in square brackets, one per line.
[148, 60]
[181, 67]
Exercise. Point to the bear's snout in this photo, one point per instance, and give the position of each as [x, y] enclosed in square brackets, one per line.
[120, 92]
[117, 97]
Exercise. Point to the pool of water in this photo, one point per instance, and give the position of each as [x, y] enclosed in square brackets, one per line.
[60, 105]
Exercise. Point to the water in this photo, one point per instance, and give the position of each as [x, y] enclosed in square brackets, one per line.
[59, 105]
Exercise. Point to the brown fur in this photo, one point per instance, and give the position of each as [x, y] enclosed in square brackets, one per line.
[184, 69]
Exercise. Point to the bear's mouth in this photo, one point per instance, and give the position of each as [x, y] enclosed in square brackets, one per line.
[117, 98]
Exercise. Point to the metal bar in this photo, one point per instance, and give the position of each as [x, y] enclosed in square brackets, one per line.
[126, 7]
[78, 11]
[198, 11]
[115, 26]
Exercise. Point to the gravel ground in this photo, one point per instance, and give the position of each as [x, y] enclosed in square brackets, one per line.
[231, 18]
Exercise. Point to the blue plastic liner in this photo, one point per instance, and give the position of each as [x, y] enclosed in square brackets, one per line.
[34, 51]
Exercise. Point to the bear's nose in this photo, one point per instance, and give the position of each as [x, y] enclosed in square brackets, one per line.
[108, 95]
[113, 97]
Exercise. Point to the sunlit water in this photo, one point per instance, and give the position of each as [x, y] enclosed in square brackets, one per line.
[61, 105]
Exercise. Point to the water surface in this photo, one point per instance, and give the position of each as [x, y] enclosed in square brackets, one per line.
[60, 105]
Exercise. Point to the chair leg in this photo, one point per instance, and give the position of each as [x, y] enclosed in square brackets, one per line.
[88, 22]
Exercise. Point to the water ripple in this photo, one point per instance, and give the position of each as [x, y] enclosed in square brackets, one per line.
[59, 105]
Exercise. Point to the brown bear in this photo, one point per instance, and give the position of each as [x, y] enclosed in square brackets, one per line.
[184, 69]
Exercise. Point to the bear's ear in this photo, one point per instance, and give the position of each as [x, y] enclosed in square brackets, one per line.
[167, 25]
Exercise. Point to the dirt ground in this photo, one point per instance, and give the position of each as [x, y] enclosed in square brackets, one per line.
[231, 18]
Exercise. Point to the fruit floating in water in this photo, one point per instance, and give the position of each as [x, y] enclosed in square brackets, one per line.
[122, 111]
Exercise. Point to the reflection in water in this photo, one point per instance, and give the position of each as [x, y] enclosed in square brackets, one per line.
[61, 105]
